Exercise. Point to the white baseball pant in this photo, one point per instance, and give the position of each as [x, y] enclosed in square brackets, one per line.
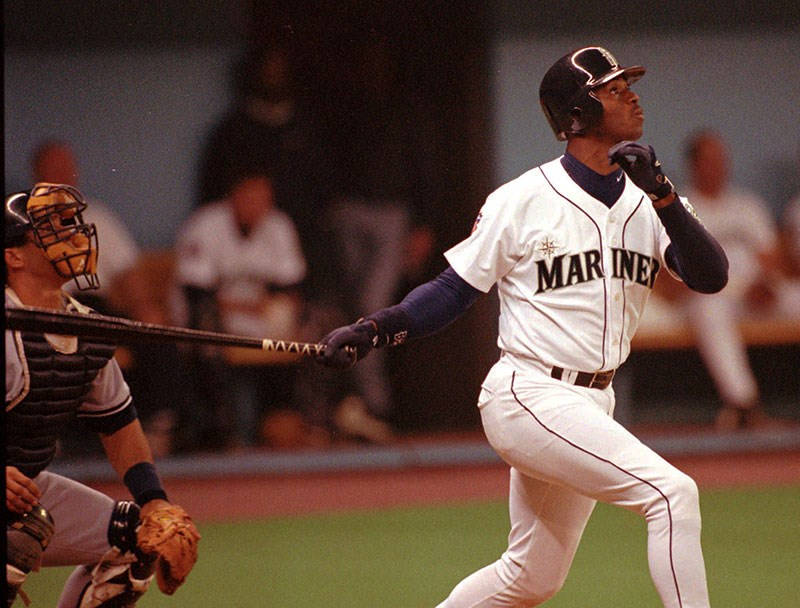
[566, 452]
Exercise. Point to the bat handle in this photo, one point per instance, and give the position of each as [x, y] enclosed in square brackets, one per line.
[302, 348]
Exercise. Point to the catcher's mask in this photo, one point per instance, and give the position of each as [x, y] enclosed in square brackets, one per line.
[567, 90]
[53, 215]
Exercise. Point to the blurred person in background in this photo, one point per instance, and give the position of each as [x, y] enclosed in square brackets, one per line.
[155, 371]
[790, 234]
[270, 126]
[384, 182]
[743, 225]
[240, 266]
[54, 162]
[273, 128]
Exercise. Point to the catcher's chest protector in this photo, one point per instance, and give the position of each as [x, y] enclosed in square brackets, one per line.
[58, 384]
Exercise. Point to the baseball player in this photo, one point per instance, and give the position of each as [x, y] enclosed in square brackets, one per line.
[574, 247]
[52, 520]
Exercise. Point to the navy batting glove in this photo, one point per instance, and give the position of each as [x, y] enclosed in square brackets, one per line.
[642, 166]
[346, 345]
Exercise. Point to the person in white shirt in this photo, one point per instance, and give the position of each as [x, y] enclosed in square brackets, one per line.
[240, 265]
[742, 223]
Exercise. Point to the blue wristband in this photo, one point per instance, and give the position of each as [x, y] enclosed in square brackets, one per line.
[143, 483]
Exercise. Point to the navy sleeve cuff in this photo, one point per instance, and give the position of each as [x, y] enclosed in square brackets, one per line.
[143, 483]
[427, 309]
[112, 423]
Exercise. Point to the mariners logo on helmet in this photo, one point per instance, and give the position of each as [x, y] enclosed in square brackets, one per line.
[566, 93]
[52, 213]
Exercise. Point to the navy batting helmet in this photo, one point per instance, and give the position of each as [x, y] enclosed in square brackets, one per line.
[566, 92]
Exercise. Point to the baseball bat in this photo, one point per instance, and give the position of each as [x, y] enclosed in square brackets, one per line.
[118, 329]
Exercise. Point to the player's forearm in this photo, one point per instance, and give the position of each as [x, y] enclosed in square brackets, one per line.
[126, 447]
[129, 454]
[694, 254]
[427, 309]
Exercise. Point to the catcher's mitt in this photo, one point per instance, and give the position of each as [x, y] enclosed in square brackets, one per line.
[169, 535]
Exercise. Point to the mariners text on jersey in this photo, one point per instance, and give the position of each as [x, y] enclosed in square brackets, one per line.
[565, 270]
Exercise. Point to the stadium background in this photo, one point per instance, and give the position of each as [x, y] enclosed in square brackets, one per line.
[136, 86]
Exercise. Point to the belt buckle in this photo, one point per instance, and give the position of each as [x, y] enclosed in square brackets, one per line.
[606, 377]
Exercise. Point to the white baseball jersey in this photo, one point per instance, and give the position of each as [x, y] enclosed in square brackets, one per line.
[213, 254]
[573, 276]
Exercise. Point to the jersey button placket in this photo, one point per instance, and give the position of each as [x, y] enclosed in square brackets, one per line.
[615, 287]
[612, 241]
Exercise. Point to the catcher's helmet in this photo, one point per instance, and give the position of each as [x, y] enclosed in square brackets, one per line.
[52, 213]
[566, 90]
[16, 219]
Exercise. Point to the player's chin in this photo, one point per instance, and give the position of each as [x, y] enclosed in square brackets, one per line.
[638, 125]
[635, 132]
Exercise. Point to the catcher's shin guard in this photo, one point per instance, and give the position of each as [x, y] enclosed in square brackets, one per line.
[123, 575]
[27, 536]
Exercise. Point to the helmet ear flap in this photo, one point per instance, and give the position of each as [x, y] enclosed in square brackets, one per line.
[586, 114]
[552, 119]
[576, 123]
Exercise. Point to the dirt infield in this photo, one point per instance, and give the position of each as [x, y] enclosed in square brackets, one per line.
[251, 497]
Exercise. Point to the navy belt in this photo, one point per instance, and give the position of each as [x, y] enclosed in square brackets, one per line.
[599, 380]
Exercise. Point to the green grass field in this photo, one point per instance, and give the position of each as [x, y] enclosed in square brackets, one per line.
[412, 558]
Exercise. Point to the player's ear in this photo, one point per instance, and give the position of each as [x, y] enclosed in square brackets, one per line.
[13, 258]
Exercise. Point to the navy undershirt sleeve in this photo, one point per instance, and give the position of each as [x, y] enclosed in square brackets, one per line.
[693, 254]
[427, 308]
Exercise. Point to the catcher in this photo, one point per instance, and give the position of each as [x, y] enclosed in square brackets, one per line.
[118, 547]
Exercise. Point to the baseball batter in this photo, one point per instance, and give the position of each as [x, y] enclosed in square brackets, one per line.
[52, 520]
[574, 247]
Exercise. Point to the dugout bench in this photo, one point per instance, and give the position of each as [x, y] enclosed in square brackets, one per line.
[664, 369]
